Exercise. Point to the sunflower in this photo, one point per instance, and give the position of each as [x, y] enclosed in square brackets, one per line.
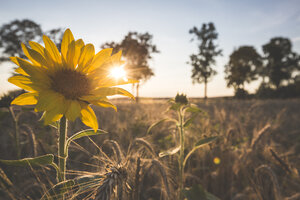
[67, 83]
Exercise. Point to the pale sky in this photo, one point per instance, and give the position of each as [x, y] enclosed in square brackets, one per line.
[238, 22]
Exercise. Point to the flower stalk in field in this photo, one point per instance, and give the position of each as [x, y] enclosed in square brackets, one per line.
[181, 106]
[64, 85]
[5, 102]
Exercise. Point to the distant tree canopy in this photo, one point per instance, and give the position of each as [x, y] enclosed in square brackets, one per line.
[22, 31]
[282, 64]
[137, 49]
[242, 67]
[203, 61]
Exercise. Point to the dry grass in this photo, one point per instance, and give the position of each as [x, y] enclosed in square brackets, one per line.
[258, 145]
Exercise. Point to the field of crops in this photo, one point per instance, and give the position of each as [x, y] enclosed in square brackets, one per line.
[255, 153]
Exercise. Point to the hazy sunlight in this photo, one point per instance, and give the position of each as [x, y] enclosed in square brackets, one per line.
[118, 72]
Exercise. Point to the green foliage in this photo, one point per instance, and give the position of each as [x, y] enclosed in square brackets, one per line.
[37, 161]
[181, 106]
[282, 62]
[289, 91]
[241, 93]
[243, 66]
[188, 122]
[198, 145]
[84, 133]
[160, 122]
[16, 32]
[169, 152]
[22, 31]
[202, 62]
[205, 141]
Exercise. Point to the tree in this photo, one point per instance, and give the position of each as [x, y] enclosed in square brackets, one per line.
[202, 62]
[15, 33]
[281, 61]
[242, 67]
[22, 31]
[137, 49]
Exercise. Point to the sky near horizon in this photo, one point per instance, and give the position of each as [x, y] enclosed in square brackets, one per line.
[237, 22]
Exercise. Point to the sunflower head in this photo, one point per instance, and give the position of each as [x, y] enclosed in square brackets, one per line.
[181, 99]
[67, 82]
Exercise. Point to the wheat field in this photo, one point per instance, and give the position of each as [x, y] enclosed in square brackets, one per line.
[256, 154]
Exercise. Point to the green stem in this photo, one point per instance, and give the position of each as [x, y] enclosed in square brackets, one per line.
[181, 153]
[62, 156]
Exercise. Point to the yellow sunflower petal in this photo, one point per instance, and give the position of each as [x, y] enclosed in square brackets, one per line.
[66, 41]
[50, 62]
[22, 82]
[112, 61]
[37, 47]
[14, 59]
[27, 54]
[50, 100]
[36, 73]
[88, 116]
[100, 58]
[79, 45]
[21, 71]
[104, 103]
[111, 81]
[52, 49]
[117, 56]
[25, 99]
[110, 91]
[86, 57]
[50, 116]
[37, 57]
[70, 56]
[73, 110]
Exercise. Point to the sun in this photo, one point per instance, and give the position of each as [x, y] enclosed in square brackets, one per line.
[118, 72]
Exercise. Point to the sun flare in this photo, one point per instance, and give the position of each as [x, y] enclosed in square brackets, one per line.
[118, 72]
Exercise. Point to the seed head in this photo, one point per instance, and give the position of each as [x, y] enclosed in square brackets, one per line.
[181, 98]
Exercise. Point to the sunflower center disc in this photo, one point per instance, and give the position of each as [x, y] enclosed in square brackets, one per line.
[70, 83]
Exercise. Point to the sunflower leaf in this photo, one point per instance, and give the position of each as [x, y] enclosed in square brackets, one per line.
[189, 121]
[159, 122]
[169, 152]
[199, 144]
[205, 141]
[37, 161]
[193, 109]
[84, 133]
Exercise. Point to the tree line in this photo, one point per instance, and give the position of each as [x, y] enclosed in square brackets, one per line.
[277, 68]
